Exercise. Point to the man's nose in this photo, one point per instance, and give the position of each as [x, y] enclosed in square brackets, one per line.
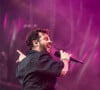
[50, 41]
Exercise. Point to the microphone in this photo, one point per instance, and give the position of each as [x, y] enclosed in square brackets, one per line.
[57, 54]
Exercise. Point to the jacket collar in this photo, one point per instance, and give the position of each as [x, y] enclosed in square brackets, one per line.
[30, 52]
[34, 51]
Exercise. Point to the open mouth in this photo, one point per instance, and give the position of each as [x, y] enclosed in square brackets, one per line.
[49, 46]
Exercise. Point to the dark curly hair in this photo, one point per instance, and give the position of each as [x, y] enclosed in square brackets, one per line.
[34, 35]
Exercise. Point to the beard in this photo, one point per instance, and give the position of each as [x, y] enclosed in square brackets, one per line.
[45, 48]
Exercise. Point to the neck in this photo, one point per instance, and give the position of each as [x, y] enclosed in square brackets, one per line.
[36, 49]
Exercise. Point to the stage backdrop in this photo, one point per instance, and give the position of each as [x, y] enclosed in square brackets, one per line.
[74, 27]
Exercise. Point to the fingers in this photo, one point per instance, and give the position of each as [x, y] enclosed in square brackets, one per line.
[70, 55]
[21, 56]
[61, 51]
[65, 55]
[17, 61]
[19, 52]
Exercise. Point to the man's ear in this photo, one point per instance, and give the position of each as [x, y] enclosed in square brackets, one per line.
[35, 42]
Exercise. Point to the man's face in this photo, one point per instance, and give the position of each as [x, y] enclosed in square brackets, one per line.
[44, 42]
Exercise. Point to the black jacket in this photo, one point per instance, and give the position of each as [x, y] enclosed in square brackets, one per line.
[38, 71]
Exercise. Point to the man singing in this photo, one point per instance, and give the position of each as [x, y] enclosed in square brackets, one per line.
[37, 70]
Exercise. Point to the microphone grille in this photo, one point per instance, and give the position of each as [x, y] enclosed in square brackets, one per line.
[57, 53]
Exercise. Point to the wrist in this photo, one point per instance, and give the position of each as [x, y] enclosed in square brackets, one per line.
[67, 59]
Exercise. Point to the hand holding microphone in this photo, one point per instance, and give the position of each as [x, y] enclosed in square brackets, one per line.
[64, 55]
[65, 58]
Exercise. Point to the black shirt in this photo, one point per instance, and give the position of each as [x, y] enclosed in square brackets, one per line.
[38, 71]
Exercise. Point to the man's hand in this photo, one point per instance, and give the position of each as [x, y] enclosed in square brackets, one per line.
[21, 56]
[64, 55]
